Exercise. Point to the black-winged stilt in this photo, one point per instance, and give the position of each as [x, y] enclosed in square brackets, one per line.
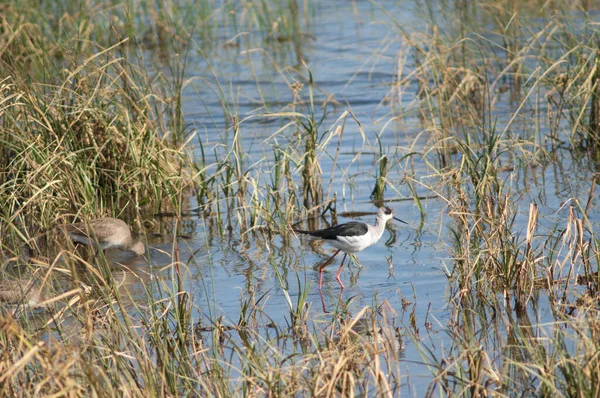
[351, 237]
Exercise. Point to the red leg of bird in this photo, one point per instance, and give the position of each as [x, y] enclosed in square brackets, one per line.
[322, 267]
[340, 271]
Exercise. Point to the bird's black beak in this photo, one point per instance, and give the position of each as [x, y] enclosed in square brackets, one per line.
[397, 219]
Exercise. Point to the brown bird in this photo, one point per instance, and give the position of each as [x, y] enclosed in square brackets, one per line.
[15, 292]
[108, 232]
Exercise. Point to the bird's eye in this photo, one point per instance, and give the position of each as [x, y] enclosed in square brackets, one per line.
[387, 210]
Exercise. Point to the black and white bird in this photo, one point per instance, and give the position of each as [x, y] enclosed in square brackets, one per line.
[351, 238]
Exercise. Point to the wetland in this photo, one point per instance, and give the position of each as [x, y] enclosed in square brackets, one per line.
[214, 128]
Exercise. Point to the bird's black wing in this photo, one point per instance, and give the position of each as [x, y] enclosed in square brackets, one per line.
[351, 228]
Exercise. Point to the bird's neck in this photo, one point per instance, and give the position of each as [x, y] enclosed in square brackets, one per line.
[380, 222]
[378, 229]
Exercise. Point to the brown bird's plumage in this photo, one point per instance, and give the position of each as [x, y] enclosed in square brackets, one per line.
[14, 292]
[109, 232]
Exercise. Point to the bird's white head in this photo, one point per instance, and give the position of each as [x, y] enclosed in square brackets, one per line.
[385, 213]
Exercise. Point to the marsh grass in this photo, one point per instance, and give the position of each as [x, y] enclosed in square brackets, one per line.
[88, 141]
[86, 131]
[507, 260]
[165, 354]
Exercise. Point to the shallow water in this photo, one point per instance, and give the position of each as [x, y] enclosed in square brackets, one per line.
[355, 57]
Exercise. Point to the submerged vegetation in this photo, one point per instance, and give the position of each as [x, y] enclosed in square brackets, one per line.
[492, 112]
